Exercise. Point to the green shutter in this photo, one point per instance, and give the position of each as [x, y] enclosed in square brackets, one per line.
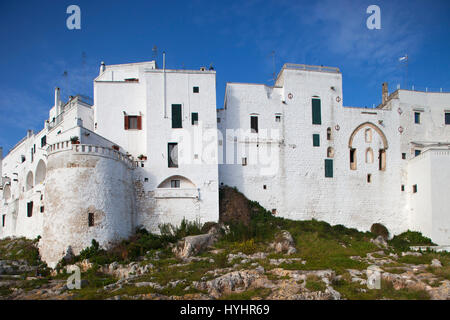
[316, 114]
[316, 140]
[176, 116]
[194, 118]
[328, 168]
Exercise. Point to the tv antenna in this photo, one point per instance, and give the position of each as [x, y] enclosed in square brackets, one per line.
[273, 66]
[154, 52]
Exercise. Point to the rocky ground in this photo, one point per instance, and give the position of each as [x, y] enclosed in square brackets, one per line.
[267, 258]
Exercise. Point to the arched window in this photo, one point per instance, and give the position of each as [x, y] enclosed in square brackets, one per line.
[330, 152]
[369, 155]
[29, 182]
[328, 133]
[353, 159]
[41, 171]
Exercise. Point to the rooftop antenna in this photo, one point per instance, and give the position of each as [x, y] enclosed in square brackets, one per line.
[273, 66]
[405, 59]
[154, 52]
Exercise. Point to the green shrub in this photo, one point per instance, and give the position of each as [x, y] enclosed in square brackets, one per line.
[410, 238]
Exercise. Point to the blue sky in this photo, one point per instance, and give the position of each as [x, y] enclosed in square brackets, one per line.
[237, 37]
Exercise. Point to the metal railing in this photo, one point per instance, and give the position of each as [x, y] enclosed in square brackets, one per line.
[310, 68]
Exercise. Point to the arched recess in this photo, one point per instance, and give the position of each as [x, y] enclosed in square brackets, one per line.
[41, 171]
[7, 192]
[374, 127]
[183, 182]
[29, 182]
[369, 155]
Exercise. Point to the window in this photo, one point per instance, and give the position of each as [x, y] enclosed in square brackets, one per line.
[132, 122]
[220, 142]
[416, 117]
[447, 118]
[417, 152]
[264, 187]
[43, 141]
[316, 140]
[369, 178]
[196, 89]
[244, 161]
[403, 187]
[42, 209]
[3, 220]
[172, 150]
[22, 158]
[316, 113]
[174, 183]
[353, 159]
[330, 152]
[254, 124]
[369, 155]
[176, 116]
[90, 219]
[194, 118]
[382, 159]
[403, 156]
[30, 209]
[145, 179]
[368, 135]
[415, 188]
[328, 133]
[328, 168]
[277, 118]
[218, 120]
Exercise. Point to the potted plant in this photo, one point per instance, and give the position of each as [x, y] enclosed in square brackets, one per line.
[142, 157]
[116, 147]
[74, 140]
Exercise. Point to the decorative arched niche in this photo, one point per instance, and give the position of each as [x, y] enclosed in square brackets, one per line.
[177, 181]
[40, 173]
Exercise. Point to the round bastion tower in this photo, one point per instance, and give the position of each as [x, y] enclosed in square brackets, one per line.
[89, 195]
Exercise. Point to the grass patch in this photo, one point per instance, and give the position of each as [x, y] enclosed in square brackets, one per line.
[314, 283]
[248, 294]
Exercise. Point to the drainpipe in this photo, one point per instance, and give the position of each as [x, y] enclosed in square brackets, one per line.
[164, 85]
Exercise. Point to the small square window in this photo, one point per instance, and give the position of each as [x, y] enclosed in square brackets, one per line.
[196, 89]
[194, 117]
[218, 120]
[195, 156]
[174, 183]
[415, 188]
[145, 179]
[132, 122]
[264, 187]
[417, 152]
[142, 164]
[277, 118]
[403, 187]
[447, 118]
[403, 156]
[416, 117]
[244, 161]
[42, 209]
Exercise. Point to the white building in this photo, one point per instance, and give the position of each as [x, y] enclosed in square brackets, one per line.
[302, 154]
[147, 149]
[135, 163]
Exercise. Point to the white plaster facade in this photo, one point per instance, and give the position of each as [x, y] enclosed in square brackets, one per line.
[285, 172]
[118, 177]
[101, 187]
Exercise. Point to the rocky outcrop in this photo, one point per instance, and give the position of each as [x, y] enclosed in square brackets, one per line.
[284, 243]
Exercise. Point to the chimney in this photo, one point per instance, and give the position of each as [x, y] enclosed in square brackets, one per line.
[29, 133]
[57, 100]
[102, 67]
[384, 93]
